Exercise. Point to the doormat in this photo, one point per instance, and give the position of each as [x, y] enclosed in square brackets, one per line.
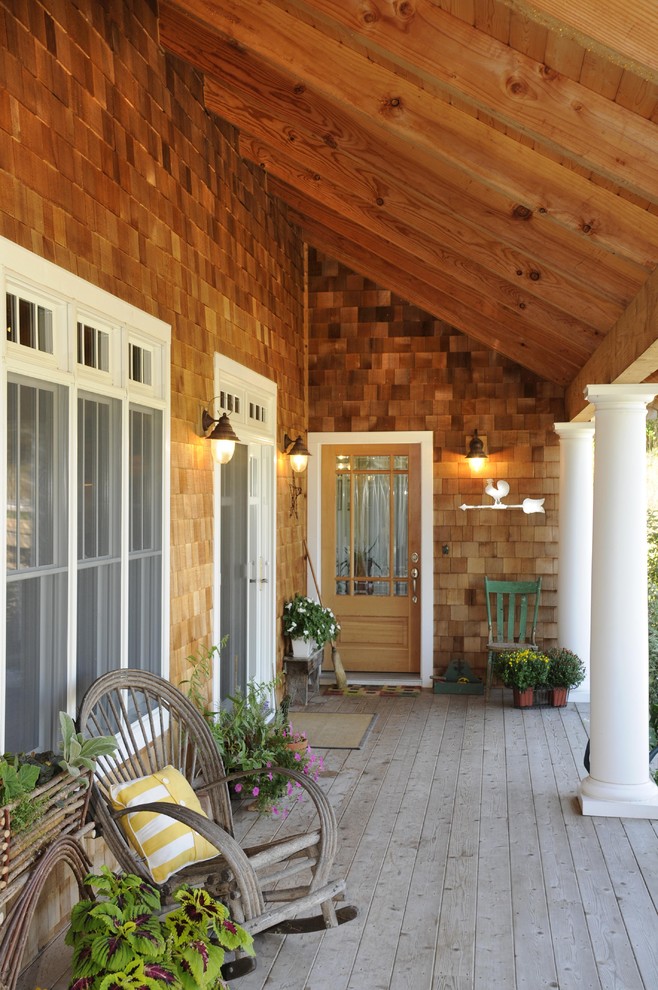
[333, 730]
[384, 690]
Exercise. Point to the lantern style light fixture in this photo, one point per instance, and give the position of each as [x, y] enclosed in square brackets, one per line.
[476, 455]
[223, 436]
[298, 453]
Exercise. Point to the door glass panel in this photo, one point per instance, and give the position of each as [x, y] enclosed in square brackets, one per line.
[372, 507]
[378, 462]
[372, 525]
[401, 528]
[234, 586]
[145, 556]
[343, 486]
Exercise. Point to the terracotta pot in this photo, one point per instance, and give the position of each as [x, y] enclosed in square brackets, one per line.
[299, 746]
[523, 699]
[560, 695]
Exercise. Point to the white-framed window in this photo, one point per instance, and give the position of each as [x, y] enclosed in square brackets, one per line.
[84, 380]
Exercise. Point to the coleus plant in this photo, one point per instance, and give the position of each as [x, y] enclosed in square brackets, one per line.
[124, 943]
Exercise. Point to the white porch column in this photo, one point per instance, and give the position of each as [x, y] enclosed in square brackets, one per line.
[574, 576]
[619, 782]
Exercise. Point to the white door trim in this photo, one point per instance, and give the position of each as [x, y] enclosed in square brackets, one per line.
[425, 438]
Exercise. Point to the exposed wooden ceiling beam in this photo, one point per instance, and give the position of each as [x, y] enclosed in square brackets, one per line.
[426, 297]
[451, 56]
[502, 330]
[628, 354]
[498, 178]
[451, 269]
[613, 28]
[386, 172]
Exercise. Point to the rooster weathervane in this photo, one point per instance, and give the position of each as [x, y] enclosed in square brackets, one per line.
[499, 491]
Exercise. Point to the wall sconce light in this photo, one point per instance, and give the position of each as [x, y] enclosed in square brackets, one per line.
[223, 436]
[298, 453]
[476, 455]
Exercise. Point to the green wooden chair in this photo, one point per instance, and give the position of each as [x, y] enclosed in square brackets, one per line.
[512, 610]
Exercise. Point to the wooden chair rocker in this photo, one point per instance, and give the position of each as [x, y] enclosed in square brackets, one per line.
[512, 610]
[165, 747]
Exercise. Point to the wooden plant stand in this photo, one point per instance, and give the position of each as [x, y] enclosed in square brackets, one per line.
[303, 676]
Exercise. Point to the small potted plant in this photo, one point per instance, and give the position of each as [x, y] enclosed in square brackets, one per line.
[523, 671]
[124, 940]
[251, 735]
[565, 671]
[308, 624]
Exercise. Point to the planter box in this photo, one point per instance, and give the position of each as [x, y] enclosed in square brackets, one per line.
[458, 679]
[66, 800]
[442, 686]
[541, 697]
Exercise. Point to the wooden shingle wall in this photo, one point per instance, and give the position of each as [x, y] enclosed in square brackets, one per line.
[377, 363]
[111, 167]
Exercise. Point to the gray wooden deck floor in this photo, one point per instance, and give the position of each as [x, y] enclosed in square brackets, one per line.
[470, 863]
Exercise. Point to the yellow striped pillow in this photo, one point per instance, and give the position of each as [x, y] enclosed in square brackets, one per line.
[165, 844]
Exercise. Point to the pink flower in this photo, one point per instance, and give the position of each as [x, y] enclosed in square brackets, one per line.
[238, 788]
[256, 791]
[298, 756]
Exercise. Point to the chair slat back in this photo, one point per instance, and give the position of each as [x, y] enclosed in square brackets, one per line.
[155, 726]
[516, 610]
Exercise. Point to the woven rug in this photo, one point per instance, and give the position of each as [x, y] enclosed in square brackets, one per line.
[384, 690]
[333, 730]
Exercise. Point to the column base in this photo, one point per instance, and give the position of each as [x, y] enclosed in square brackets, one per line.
[618, 800]
[579, 695]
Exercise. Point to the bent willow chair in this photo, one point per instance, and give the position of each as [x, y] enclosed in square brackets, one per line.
[163, 738]
[512, 610]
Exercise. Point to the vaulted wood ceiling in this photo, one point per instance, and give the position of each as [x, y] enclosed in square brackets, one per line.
[493, 161]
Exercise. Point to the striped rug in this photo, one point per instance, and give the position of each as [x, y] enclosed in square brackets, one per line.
[384, 690]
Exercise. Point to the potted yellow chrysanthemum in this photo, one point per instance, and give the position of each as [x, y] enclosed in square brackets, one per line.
[523, 671]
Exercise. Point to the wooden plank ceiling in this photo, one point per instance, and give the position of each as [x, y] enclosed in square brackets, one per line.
[493, 161]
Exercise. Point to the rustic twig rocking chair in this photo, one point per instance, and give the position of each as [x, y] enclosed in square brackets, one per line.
[161, 733]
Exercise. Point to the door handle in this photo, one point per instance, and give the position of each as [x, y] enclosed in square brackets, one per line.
[414, 578]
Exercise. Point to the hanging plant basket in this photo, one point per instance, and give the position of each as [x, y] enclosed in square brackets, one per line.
[63, 809]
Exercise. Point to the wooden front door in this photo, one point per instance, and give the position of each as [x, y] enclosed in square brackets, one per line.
[371, 554]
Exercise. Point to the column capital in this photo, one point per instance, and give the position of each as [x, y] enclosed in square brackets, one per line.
[620, 395]
[574, 430]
